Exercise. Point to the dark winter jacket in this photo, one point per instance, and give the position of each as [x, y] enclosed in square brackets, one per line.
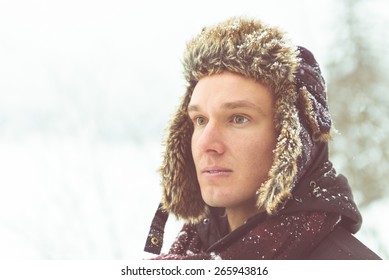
[317, 224]
[210, 238]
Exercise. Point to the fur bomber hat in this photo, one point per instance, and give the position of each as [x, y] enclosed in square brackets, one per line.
[263, 53]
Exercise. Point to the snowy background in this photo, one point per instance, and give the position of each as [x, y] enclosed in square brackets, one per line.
[86, 90]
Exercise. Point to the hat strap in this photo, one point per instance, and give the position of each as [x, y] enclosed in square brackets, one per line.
[154, 240]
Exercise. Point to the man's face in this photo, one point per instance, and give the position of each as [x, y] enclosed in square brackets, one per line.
[233, 140]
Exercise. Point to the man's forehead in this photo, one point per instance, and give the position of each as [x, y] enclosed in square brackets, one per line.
[228, 91]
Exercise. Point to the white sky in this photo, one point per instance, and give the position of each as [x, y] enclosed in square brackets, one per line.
[130, 40]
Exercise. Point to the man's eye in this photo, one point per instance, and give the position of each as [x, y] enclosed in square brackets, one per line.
[200, 121]
[239, 119]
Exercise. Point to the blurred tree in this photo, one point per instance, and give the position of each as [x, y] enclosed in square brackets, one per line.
[357, 86]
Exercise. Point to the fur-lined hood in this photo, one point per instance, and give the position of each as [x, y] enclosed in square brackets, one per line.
[263, 53]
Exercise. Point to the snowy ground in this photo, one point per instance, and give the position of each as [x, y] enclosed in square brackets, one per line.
[74, 198]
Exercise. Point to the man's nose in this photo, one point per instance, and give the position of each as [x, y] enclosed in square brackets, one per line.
[211, 138]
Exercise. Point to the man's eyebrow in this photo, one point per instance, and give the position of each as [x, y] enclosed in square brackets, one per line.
[240, 104]
[193, 108]
[230, 106]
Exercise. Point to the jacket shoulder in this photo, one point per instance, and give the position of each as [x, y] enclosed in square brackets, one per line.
[340, 244]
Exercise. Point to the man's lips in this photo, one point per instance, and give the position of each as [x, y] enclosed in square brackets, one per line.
[216, 170]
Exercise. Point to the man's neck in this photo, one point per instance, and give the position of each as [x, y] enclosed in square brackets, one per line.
[237, 216]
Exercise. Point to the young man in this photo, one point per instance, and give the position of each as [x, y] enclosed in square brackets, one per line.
[246, 162]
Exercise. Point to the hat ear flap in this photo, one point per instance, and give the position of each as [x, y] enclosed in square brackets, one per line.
[181, 192]
[274, 192]
[312, 98]
[316, 117]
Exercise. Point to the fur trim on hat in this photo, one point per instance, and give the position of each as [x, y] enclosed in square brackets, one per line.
[254, 50]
